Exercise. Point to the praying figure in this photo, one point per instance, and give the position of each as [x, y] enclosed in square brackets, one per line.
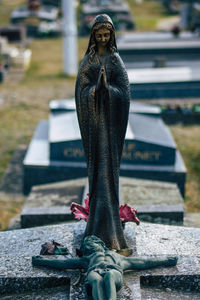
[102, 101]
[104, 268]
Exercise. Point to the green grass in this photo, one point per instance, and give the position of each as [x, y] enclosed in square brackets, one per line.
[6, 8]
[188, 140]
[147, 14]
[9, 206]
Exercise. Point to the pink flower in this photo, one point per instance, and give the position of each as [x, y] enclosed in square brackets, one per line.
[128, 214]
[79, 211]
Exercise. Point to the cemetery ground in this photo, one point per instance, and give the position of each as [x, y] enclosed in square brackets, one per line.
[26, 102]
[6, 7]
[146, 16]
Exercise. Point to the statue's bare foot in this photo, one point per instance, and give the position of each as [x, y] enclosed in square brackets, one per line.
[125, 252]
[171, 261]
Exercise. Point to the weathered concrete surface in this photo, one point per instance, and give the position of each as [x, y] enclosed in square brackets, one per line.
[166, 294]
[155, 239]
[145, 192]
[158, 202]
[50, 293]
[18, 275]
[17, 248]
[50, 203]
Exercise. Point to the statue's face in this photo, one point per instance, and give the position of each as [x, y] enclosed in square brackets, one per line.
[102, 36]
[91, 245]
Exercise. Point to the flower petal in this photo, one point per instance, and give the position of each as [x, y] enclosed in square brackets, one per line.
[128, 214]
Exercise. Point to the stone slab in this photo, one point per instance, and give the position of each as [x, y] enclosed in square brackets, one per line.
[154, 36]
[50, 293]
[154, 63]
[163, 75]
[18, 246]
[181, 90]
[155, 201]
[151, 83]
[50, 203]
[18, 275]
[167, 293]
[172, 49]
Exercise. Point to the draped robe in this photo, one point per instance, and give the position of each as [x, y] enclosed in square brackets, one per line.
[103, 117]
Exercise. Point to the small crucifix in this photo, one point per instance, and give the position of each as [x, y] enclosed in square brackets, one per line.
[104, 268]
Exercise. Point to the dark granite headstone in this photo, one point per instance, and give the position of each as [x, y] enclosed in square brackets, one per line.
[148, 140]
[52, 158]
[145, 47]
[180, 82]
[160, 65]
[16, 34]
[2, 74]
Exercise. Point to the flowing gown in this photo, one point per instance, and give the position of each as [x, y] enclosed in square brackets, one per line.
[103, 117]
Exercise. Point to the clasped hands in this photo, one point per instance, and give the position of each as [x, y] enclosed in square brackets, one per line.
[102, 79]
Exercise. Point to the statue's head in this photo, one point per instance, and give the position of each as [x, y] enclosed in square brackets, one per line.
[102, 24]
[92, 244]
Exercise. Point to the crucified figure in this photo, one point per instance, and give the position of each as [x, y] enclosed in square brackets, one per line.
[104, 267]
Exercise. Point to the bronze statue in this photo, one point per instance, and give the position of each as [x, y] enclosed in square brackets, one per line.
[102, 101]
[104, 267]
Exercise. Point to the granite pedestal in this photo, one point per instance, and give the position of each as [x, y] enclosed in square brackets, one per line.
[155, 201]
[18, 278]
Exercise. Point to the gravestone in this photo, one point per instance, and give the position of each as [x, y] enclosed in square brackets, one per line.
[118, 10]
[179, 82]
[50, 203]
[160, 65]
[66, 145]
[16, 34]
[43, 21]
[18, 278]
[155, 201]
[141, 49]
[55, 152]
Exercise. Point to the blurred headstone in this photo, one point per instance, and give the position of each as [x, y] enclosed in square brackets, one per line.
[55, 152]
